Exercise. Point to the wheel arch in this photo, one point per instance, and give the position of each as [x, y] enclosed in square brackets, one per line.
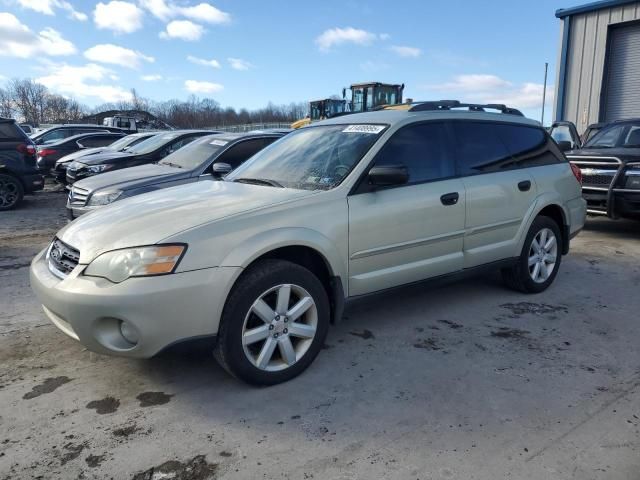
[552, 208]
[302, 246]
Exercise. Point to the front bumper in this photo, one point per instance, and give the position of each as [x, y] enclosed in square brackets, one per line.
[74, 211]
[162, 310]
[611, 196]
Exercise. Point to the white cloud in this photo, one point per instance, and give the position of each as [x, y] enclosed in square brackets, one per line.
[384, 36]
[202, 12]
[195, 86]
[151, 78]
[482, 88]
[371, 66]
[83, 81]
[184, 30]
[239, 64]
[404, 51]
[18, 40]
[48, 6]
[205, 63]
[338, 36]
[114, 54]
[121, 17]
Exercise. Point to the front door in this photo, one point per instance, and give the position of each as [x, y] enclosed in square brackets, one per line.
[406, 233]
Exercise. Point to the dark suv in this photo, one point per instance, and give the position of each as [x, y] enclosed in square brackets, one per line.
[610, 164]
[18, 173]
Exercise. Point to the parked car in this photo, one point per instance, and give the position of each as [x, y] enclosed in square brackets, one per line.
[59, 171]
[50, 153]
[55, 134]
[346, 207]
[151, 150]
[18, 173]
[610, 165]
[206, 158]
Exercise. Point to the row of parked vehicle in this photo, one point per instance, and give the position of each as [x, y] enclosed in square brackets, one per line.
[264, 236]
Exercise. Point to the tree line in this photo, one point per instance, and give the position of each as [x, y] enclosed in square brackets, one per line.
[33, 103]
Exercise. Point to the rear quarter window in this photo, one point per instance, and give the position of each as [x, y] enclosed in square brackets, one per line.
[486, 147]
[9, 131]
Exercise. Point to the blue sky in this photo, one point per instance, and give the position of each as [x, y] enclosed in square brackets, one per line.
[247, 53]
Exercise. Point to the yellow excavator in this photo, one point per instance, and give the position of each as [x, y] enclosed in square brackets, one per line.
[364, 97]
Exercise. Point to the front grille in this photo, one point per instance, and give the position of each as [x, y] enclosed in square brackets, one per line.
[62, 258]
[597, 179]
[78, 196]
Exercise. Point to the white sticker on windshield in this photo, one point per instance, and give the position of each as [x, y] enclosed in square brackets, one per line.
[220, 143]
[375, 129]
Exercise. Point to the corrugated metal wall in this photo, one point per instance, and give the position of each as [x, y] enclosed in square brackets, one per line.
[586, 61]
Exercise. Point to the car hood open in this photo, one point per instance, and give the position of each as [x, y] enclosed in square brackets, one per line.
[149, 218]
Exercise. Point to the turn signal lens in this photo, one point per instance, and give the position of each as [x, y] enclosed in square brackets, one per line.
[577, 173]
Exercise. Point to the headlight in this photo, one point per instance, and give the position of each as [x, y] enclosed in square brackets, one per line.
[104, 198]
[118, 265]
[633, 177]
[74, 166]
[98, 168]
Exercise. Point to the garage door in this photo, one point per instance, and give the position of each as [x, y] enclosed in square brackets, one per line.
[623, 78]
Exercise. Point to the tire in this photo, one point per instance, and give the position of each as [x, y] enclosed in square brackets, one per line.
[11, 192]
[522, 276]
[253, 307]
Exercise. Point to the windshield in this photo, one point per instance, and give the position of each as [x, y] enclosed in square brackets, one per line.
[313, 158]
[195, 153]
[151, 144]
[625, 135]
[127, 141]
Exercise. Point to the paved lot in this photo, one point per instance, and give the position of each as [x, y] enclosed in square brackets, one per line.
[468, 381]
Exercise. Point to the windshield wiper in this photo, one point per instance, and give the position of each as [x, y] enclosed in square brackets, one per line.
[175, 165]
[259, 181]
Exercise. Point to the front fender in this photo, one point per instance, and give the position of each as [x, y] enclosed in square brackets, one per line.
[243, 254]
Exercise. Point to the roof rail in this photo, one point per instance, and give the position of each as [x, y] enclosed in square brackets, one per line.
[472, 107]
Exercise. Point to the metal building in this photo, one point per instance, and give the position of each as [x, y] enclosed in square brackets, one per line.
[598, 72]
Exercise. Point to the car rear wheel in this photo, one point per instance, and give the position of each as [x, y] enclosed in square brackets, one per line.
[11, 192]
[539, 260]
[274, 323]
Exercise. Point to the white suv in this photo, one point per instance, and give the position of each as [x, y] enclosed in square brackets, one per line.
[265, 260]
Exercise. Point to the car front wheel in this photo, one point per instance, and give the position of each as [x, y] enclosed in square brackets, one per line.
[274, 323]
[539, 260]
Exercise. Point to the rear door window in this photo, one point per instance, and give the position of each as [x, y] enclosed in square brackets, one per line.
[96, 141]
[529, 146]
[479, 148]
[423, 148]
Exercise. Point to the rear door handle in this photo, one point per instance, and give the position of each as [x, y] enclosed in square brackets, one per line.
[450, 198]
[524, 186]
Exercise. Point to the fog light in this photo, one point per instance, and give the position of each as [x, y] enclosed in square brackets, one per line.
[129, 333]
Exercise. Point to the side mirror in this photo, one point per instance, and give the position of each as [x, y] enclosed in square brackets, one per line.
[388, 175]
[221, 169]
[565, 145]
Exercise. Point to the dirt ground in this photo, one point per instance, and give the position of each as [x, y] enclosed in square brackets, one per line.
[466, 381]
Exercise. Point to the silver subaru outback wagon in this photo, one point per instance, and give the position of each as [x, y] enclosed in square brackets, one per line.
[265, 260]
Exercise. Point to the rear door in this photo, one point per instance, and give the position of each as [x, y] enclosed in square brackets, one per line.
[409, 232]
[500, 191]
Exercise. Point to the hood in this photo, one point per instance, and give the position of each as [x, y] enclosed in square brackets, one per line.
[105, 157]
[132, 177]
[624, 154]
[80, 153]
[149, 218]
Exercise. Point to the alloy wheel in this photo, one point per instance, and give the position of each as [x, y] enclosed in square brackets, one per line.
[279, 327]
[543, 255]
[8, 192]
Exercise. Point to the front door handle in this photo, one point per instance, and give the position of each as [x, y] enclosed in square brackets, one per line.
[524, 186]
[450, 198]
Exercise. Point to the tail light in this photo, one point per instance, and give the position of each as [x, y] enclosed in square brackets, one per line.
[26, 149]
[577, 173]
[46, 151]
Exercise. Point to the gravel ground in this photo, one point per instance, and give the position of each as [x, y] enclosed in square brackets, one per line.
[466, 381]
